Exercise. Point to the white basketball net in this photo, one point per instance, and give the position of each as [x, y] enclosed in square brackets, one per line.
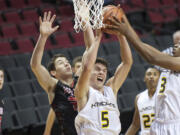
[88, 12]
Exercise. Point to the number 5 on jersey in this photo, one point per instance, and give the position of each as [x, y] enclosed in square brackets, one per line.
[104, 119]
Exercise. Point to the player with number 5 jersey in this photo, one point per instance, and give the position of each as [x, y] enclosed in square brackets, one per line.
[98, 112]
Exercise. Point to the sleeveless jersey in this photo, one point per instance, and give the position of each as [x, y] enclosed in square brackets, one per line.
[167, 103]
[146, 110]
[65, 107]
[100, 116]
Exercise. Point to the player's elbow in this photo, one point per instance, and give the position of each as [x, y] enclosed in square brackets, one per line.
[33, 65]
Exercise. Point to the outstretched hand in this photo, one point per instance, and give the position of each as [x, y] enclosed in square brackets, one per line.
[119, 27]
[46, 28]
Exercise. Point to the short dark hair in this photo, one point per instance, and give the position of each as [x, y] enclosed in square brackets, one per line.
[76, 59]
[51, 64]
[1, 69]
[102, 61]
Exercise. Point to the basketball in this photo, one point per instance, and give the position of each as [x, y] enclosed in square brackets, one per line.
[110, 11]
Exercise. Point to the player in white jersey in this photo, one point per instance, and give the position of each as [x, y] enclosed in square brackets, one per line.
[167, 116]
[98, 112]
[144, 105]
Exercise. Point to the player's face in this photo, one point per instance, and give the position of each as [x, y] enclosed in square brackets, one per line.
[176, 50]
[177, 39]
[151, 77]
[1, 79]
[77, 66]
[62, 66]
[98, 76]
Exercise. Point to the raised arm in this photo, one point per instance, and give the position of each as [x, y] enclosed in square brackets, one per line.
[123, 69]
[135, 125]
[149, 53]
[41, 73]
[49, 122]
[88, 62]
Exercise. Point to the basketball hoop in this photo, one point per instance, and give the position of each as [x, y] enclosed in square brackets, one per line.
[88, 12]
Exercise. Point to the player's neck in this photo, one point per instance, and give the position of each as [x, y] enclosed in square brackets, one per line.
[151, 92]
[100, 89]
[68, 81]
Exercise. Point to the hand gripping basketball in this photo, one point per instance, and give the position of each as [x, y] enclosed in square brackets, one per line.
[110, 11]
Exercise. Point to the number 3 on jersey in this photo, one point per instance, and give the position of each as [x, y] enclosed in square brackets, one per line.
[163, 85]
[104, 119]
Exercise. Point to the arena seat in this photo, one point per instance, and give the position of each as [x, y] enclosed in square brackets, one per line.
[129, 86]
[25, 102]
[41, 99]
[7, 62]
[12, 16]
[22, 60]
[10, 31]
[7, 91]
[43, 112]
[76, 51]
[27, 117]
[152, 4]
[5, 48]
[22, 88]
[10, 105]
[137, 71]
[7, 122]
[28, 28]
[17, 3]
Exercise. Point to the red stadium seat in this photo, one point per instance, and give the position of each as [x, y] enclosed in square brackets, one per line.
[168, 3]
[66, 25]
[155, 16]
[34, 2]
[138, 3]
[46, 9]
[3, 4]
[63, 40]
[25, 45]
[28, 29]
[153, 4]
[78, 37]
[10, 31]
[5, 48]
[170, 14]
[30, 14]
[66, 11]
[12, 16]
[17, 3]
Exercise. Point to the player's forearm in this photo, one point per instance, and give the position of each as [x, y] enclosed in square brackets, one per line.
[88, 36]
[146, 51]
[125, 51]
[38, 52]
[132, 130]
[49, 122]
[91, 54]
